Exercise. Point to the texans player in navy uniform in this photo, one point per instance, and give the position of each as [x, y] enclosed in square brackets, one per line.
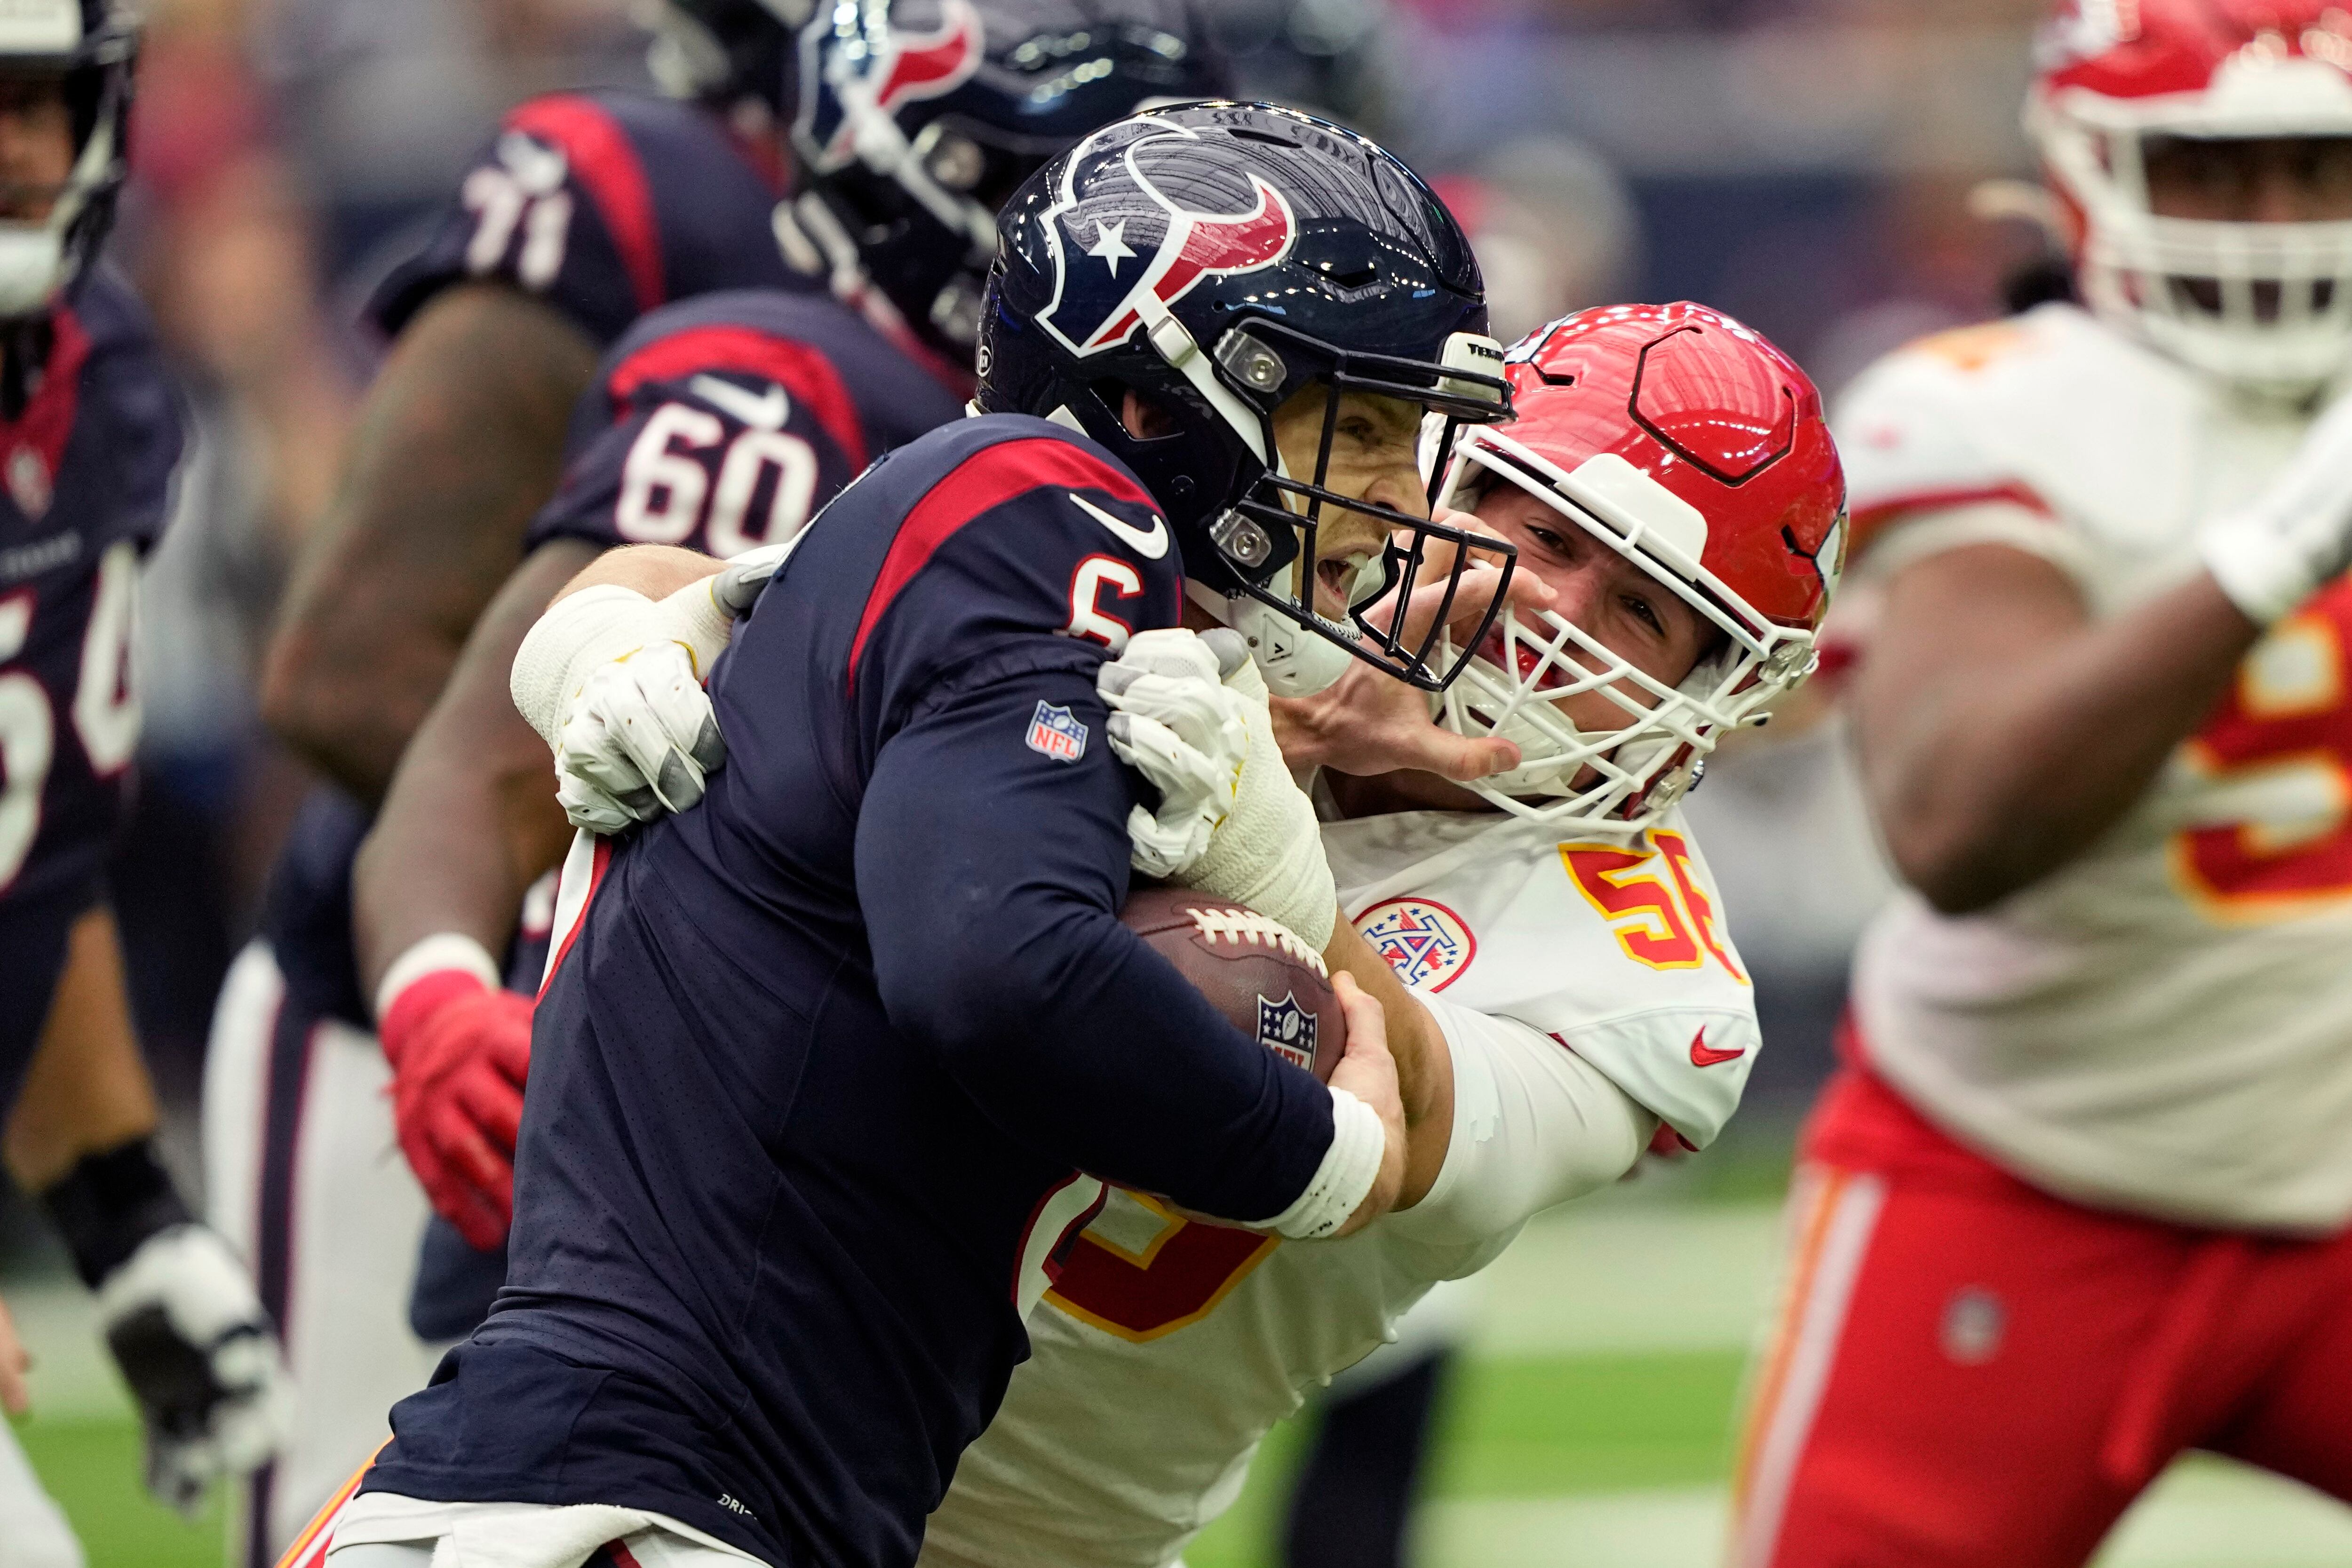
[719, 424]
[90, 433]
[819, 1056]
[856, 151]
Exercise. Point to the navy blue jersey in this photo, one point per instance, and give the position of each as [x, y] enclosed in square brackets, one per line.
[721, 422]
[718, 424]
[608, 205]
[820, 1050]
[85, 486]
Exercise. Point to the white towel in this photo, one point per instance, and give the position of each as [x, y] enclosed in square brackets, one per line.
[525, 1535]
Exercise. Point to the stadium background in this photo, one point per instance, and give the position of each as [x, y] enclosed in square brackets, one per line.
[1806, 164]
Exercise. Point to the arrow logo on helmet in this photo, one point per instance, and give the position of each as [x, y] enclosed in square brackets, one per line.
[931, 64]
[899, 68]
[1194, 246]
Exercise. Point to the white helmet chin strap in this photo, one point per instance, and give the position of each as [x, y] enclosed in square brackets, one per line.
[1294, 660]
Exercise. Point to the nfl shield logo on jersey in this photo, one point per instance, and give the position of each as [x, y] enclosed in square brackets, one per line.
[1287, 1030]
[1052, 732]
[1426, 943]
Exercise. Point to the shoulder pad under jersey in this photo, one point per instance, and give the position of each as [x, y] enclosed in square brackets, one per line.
[607, 204]
[723, 421]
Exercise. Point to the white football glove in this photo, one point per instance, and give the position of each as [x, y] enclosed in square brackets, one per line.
[2275, 551]
[612, 681]
[1235, 827]
[181, 1320]
[1175, 721]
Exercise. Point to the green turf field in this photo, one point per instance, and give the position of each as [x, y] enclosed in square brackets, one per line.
[92, 1466]
[1533, 1427]
[1589, 1429]
[1513, 1428]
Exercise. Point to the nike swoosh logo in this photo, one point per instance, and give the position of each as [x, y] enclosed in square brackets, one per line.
[537, 170]
[1152, 543]
[1706, 1056]
[767, 412]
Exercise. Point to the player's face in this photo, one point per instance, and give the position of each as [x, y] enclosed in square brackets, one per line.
[36, 145]
[2265, 179]
[1602, 593]
[1375, 449]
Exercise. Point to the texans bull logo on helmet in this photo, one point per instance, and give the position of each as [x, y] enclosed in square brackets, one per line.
[1127, 241]
[882, 67]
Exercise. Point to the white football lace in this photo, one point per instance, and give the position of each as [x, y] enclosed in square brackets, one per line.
[1258, 930]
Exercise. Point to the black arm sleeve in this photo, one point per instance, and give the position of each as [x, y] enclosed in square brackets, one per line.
[981, 869]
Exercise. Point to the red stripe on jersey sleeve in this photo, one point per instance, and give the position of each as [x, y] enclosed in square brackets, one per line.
[1866, 522]
[988, 478]
[800, 370]
[601, 157]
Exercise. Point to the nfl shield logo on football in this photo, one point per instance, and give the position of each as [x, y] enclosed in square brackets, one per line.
[1287, 1030]
[1426, 943]
[1052, 732]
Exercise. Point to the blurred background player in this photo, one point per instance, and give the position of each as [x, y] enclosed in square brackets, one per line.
[91, 429]
[858, 1178]
[793, 133]
[2077, 1202]
[1554, 227]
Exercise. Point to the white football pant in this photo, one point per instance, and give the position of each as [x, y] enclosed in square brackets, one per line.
[304, 1177]
[33, 1533]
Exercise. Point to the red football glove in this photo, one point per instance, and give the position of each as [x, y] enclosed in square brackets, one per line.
[459, 1053]
[1668, 1145]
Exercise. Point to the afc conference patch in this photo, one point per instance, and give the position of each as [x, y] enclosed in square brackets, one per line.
[1287, 1030]
[1052, 732]
[1426, 943]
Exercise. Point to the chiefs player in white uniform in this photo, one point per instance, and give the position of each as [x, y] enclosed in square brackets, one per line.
[1671, 480]
[2078, 1200]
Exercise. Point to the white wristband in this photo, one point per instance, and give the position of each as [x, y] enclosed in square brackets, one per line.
[604, 623]
[578, 632]
[1268, 853]
[442, 950]
[1350, 1165]
[2255, 569]
[693, 615]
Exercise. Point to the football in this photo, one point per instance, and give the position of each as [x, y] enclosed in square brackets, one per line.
[1254, 970]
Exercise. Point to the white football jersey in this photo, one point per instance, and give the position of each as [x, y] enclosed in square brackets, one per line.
[1168, 1347]
[2165, 1023]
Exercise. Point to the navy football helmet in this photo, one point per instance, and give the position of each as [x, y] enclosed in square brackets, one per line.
[1216, 261]
[88, 48]
[912, 120]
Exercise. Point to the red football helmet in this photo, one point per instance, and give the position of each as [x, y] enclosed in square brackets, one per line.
[2264, 304]
[1690, 445]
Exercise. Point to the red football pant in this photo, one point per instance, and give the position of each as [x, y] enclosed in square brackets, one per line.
[1970, 1372]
